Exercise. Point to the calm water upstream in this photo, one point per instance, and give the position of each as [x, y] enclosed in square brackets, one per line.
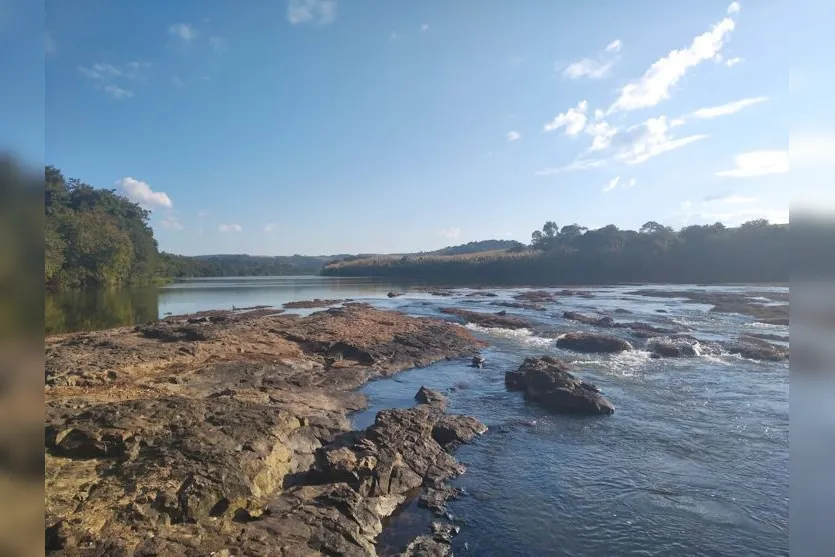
[693, 462]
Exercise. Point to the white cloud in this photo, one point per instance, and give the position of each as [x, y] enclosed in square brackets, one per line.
[450, 233]
[101, 71]
[269, 227]
[171, 223]
[733, 8]
[424, 27]
[230, 228]
[594, 68]
[573, 120]
[655, 85]
[117, 92]
[202, 214]
[183, 31]
[580, 164]
[677, 122]
[644, 141]
[49, 44]
[726, 109]
[731, 62]
[732, 199]
[218, 44]
[317, 12]
[758, 163]
[513, 135]
[630, 183]
[635, 145]
[140, 192]
[613, 183]
[602, 134]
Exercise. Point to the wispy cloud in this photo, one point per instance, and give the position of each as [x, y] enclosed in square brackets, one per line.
[183, 31]
[513, 135]
[612, 184]
[731, 199]
[424, 27]
[219, 44]
[726, 109]
[230, 228]
[758, 163]
[731, 62]
[733, 8]
[269, 227]
[595, 68]
[140, 192]
[171, 222]
[656, 83]
[573, 120]
[203, 214]
[634, 145]
[117, 92]
[450, 233]
[109, 77]
[316, 12]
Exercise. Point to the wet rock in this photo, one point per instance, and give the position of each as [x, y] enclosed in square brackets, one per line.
[674, 348]
[444, 531]
[604, 321]
[592, 343]
[762, 350]
[428, 396]
[480, 293]
[436, 498]
[394, 294]
[427, 546]
[520, 305]
[307, 304]
[764, 336]
[536, 296]
[488, 319]
[478, 361]
[548, 382]
[745, 303]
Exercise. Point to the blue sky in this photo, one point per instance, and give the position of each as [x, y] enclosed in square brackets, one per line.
[328, 126]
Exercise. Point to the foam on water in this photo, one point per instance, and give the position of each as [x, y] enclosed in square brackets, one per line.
[524, 336]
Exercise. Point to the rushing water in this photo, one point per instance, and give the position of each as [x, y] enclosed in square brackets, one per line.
[693, 462]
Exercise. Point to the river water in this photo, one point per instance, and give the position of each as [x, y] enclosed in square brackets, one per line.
[693, 462]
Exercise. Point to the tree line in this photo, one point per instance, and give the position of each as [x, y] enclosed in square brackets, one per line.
[96, 237]
[756, 251]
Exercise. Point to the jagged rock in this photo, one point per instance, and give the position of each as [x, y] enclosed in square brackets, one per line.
[760, 350]
[436, 498]
[548, 382]
[589, 342]
[535, 296]
[478, 361]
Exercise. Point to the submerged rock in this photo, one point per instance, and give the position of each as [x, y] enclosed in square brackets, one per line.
[548, 382]
[761, 350]
[307, 304]
[536, 296]
[674, 348]
[394, 294]
[428, 396]
[478, 361]
[592, 343]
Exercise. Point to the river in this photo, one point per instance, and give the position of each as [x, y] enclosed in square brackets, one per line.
[693, 462]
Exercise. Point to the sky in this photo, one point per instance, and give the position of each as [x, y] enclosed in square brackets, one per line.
[335, 126]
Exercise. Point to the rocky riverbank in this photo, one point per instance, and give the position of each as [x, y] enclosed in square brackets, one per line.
[226, 433]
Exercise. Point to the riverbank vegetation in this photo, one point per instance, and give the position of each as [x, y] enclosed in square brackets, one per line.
[95, 237]
[753, 252]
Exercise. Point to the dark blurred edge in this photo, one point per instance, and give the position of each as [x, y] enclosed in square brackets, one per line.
[22, 109]
[812, 389]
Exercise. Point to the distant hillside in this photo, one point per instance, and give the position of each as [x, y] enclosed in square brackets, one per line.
[225, 265]
[480, 246]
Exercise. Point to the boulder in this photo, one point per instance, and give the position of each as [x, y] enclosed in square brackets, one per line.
[676, 348]
[548, 382]
[592, 343]
[428, 396]
[394, 294]
[488, 319]
[604, 321]
[762, 350]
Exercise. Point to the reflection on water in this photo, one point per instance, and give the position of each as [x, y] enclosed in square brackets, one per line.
[89, 310]
[104, 308]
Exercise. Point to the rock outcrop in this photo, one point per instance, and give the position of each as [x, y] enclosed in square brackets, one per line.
[307, 304]
[206, 433]
[548, 382]
[604, 321]
[592, 343]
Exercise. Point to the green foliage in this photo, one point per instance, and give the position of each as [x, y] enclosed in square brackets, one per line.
[754, 252]
[93, 236]
[180, 266]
